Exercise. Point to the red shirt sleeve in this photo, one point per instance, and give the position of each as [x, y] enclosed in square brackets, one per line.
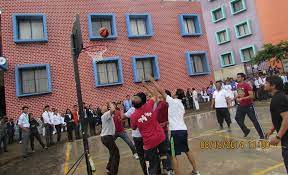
[248, 87]
[149, 106]
[133, 121]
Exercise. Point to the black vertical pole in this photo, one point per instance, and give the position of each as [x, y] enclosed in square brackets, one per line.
[75, 56]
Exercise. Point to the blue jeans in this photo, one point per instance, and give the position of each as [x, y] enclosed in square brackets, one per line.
[124, 136]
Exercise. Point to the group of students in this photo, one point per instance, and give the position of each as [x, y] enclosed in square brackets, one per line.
[151, 119]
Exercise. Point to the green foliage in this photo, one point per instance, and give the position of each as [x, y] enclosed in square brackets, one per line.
[269, 51]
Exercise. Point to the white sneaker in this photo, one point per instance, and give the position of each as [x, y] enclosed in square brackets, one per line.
[170, 172]
[136, 156]
[195, 173]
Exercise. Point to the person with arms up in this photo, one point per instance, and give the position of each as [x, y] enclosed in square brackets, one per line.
[245, 106]
[145, 119]
[120, 131]
[221, 102]
[24, 124]
[138, 140]
[48, 124]
[107, 138]
[34, 133]
[92, 120]
[70, 124]
[178, 128]
[279, 113]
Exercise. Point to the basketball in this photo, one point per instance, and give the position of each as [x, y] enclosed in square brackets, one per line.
[104, 32]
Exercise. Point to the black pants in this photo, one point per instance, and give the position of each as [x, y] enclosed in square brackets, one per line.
[77, 131]
[223, 114]
[138, 141]
[37, 136]
[58, 131]
[114, 156]
[10, 138]
[49, 135]
[20, 134]
[85, 126]
[152, 156]
[284, 144]
[92, 124]
[70, 132]
[250, 111]
[190, 100]
[3, 140]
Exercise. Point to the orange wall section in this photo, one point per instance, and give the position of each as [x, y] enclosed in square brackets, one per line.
[273, 19]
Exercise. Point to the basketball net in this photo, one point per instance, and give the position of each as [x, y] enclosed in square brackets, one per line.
[96, 52]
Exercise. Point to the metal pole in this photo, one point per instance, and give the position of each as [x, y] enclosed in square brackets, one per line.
[80, 103]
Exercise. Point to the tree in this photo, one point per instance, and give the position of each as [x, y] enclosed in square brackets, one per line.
[269, 51]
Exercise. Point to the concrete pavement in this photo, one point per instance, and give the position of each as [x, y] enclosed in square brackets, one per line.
[212, 159]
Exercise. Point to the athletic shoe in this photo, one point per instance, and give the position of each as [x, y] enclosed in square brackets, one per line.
[247, 133]
[220, 128]
[33, 151]
[229, 129]
[195, 172]
[136, 156]
[170, 172]
[45, 147]
[20, 142]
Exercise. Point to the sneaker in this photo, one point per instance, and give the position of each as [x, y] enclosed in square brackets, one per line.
[170, 172]
[195, 172]
[45, 147]
[20, 142]
[33, 151]
[136, 156]
[247, 133]
[229, 129]
[220, 128]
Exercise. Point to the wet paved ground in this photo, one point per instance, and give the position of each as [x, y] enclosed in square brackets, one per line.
[243, 159]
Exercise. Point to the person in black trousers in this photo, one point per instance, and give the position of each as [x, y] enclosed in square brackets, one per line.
[92, 123]
[190, 98]
[84, 128]
[10, 131]
[34, 132]
[70, 124]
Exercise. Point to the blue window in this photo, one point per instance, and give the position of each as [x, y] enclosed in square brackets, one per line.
[33, 79]
[29, 28]
[139, 25]
[247, 53]
[223, 36]
[145, 66]
[190, 25]
[99, 20]
[197, 63]
[218, 14]
[227, 59]
[243, 29]
[237, 6]
[108, 72]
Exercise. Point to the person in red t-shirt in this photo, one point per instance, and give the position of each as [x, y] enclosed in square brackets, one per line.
[76, 121]
[120, 132]
[245, 106]
[145, 119]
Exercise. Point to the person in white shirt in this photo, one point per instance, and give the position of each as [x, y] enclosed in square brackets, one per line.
[23, 123]
[138, 141]
[48, 124]
[57, 122]
[107, 138]
[195, 98]
[221, 102]
[177, 126]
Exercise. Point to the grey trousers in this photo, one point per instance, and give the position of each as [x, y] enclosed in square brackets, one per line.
[25, 142]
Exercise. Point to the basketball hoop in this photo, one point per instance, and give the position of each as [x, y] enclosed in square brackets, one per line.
[96, 51]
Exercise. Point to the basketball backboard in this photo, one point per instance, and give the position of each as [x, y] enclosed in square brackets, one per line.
[76, 37]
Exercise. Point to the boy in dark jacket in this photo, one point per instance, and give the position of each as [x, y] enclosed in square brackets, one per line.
[10, 131]
[34, 132]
